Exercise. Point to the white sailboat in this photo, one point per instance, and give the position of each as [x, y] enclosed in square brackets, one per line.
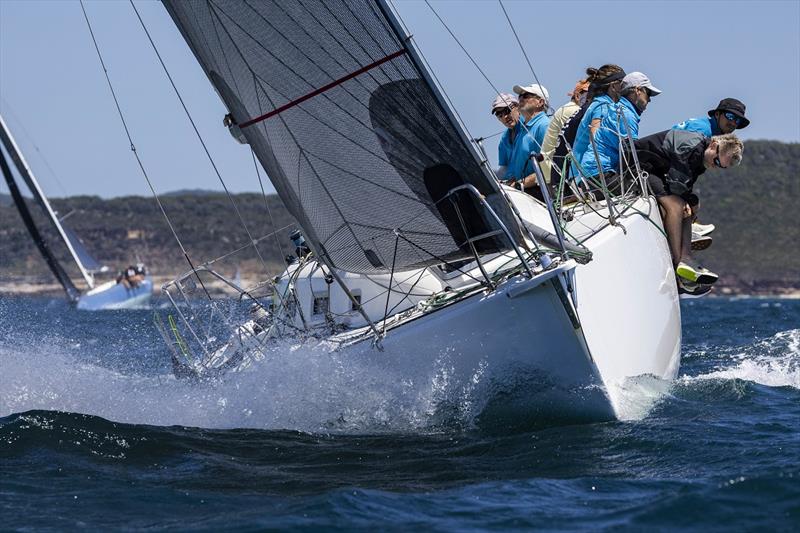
[112, 294]
[413, 252]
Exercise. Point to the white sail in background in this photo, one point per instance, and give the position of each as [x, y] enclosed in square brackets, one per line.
[69, 238]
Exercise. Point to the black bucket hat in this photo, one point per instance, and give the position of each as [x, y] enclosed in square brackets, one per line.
[734, 106]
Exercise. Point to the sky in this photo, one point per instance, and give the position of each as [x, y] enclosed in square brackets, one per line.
[55, 99]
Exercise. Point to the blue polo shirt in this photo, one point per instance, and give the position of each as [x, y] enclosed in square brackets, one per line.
[600, 107]
[706, 125]
[607, 137]
[527, 140]
[537, 128]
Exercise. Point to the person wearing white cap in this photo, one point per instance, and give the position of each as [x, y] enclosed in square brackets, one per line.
[505, 107]
[533, 102]
[635, 95]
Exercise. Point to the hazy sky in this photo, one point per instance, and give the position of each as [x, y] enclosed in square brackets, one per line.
[55, 99]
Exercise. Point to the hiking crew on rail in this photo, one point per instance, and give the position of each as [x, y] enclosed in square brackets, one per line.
[588, 132]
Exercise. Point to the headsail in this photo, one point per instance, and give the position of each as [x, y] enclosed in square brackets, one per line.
[27, 176]
[336, 107]
[87, 260]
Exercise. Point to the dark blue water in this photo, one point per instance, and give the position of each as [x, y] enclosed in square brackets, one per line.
[95, 433]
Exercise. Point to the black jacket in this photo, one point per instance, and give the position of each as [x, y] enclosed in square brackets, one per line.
[675, 156]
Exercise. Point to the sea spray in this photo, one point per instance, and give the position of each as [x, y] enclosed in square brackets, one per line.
[307, 387]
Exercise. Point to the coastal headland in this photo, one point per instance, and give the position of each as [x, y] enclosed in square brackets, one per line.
[752, 206]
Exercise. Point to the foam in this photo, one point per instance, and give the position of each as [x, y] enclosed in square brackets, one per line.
[306, 387]
[773, 362]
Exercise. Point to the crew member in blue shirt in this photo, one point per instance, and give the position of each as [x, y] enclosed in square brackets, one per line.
[533, 103]
[510, 152]
[637, 89]
[727, 117]
[604, 103]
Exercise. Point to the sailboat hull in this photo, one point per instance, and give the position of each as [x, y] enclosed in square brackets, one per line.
[630, 332]
[628, 303]
[512, 357]
[114, 295]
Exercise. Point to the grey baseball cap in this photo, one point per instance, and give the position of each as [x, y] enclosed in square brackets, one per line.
[638, 79]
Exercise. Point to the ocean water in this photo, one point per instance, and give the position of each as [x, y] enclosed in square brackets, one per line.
[96, 434]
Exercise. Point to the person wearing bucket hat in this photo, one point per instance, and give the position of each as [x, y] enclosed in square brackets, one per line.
[637, 89]
[725, 118]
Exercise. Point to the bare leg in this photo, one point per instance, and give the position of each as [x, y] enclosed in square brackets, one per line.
[674, 225]
[686, 237]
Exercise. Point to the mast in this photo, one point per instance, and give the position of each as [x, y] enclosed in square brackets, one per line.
[30, 180]
[72, 292]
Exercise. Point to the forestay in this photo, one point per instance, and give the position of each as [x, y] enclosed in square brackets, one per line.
[355, 140]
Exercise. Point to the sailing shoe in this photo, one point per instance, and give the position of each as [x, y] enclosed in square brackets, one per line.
[687, 289]
[691, 271]
[700, 242]
[702, 229]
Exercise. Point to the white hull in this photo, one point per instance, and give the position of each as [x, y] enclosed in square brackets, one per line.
[113, 295]
[520, 342]
[628, 304]
[516, 343]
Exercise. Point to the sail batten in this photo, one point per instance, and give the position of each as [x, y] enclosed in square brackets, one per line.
[346, 123]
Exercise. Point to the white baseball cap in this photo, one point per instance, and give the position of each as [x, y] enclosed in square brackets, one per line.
[534, 88]
[638, 79]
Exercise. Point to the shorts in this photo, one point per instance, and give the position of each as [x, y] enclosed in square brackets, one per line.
[660, 187]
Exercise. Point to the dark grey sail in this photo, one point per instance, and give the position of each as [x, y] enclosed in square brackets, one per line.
[356, 141]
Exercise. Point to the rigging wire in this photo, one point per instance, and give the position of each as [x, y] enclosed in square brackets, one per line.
[199, 137]
[458, 42]
[524, 53]
[136, 154]
[432, 73]
[266, 204]
[30, 138]
[469, 56]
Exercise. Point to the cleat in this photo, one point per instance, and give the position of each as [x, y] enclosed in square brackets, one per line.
[688, 270]
[688, 290]
[700, 242]
[702, 229]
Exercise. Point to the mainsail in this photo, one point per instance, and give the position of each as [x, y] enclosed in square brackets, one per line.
[55, 267]
[353, 135]
[72, 242]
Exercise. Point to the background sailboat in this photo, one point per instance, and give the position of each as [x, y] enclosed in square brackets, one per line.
[130, 290]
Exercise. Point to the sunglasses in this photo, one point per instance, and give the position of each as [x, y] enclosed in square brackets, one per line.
[717, 162]
[733, 118]
[503, 113]
[528, 95]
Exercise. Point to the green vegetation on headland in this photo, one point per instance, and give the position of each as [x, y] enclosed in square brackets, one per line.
[753, 207]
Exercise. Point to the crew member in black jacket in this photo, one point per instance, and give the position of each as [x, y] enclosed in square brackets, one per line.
[675, 159]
